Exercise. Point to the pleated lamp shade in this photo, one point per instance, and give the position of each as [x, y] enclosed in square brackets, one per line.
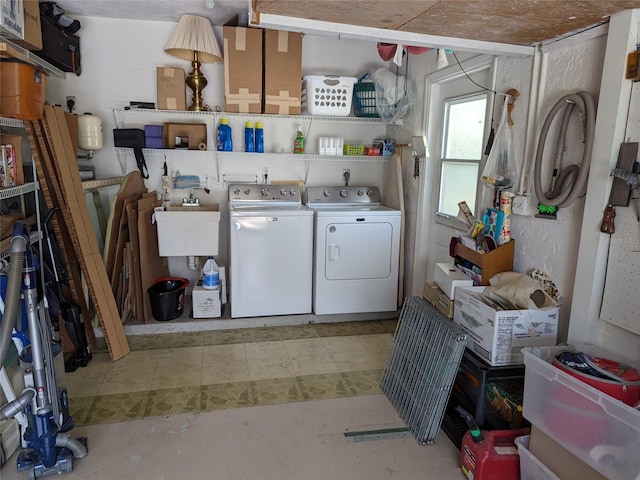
[194, 33]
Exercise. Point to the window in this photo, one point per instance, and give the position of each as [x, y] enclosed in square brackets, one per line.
[461, 153]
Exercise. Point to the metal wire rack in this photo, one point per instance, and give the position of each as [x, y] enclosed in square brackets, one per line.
[424, 359]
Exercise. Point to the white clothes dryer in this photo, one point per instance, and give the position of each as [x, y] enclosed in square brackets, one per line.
[271, 250]
[356, 250]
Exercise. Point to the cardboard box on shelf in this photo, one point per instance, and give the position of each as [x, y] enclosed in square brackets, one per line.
[12, 18]
[282, 72]
[172, 89]
[436, 297]
[490, 263]
[498, 336]
[32, 29]
[242, 69]
[16, 168]
[196, 133]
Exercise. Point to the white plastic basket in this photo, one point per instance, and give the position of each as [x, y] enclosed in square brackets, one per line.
[327, 95]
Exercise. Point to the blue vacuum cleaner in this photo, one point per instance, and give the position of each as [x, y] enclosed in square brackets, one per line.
[47, 448]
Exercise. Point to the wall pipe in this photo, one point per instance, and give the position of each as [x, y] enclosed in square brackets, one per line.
[537, 87]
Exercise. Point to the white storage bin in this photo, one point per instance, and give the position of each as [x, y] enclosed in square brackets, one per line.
[601, 431]
[530, 467]
[327, 95]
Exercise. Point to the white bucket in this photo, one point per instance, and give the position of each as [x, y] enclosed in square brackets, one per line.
[90, 132]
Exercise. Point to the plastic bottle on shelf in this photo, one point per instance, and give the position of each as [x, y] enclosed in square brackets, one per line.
[224, 139]
[298, 144]
[259, 138]
[249, 137]
[210, 275]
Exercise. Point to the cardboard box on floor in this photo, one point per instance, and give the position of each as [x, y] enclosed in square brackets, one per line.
[242, 69]
[282, 72]
[436, 297]
[172, 88]
[558, 459]
[498, 336]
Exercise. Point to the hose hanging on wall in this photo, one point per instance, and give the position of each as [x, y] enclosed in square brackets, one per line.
[569, 183]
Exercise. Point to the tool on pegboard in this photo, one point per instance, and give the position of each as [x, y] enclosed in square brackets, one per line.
[620, 188]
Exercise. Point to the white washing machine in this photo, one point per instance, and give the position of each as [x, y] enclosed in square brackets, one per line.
[356, 245]
[271, 250]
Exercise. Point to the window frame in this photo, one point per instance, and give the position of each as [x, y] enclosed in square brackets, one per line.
[433, 84]
[442, 158]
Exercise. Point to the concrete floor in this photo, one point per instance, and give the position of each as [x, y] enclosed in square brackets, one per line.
[302, 441]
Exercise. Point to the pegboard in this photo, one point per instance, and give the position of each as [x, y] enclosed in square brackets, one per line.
[621, 296]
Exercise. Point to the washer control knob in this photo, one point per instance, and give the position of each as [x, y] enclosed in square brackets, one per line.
[264, 191]
[343, 193]
[360, 193]
[283, 191]
[369, 193]
[247, 191]
[236, 191]
[326, 193]
[292, 191]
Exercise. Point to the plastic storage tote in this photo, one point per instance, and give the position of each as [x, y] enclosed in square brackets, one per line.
[530, 467]
[327, 95]
[601, 431]
[167, 298]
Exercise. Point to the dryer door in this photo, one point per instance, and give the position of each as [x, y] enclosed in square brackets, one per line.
[358, 250]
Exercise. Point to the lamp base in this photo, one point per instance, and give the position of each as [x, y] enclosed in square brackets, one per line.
[196, 82]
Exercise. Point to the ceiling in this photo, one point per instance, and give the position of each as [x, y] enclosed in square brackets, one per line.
[516, 22]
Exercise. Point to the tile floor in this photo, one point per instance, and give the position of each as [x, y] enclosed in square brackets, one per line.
[205, 371]
[158, 413]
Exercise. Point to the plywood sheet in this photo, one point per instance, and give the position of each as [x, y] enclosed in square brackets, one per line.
[81, 231]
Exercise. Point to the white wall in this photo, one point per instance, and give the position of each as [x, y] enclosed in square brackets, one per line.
[548, 245]
[119, 60]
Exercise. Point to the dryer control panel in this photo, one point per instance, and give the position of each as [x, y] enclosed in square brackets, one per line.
[343, 195]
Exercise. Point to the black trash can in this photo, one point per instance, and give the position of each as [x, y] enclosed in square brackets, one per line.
[167, 298]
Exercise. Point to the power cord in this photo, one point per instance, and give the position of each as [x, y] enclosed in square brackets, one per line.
[347, 176]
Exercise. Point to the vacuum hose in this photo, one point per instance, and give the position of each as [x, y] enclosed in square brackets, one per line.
[73, 444]
[570, 183]
[11, 409]
[12, 299]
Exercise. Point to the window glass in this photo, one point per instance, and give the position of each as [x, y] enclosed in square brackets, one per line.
[462, 148]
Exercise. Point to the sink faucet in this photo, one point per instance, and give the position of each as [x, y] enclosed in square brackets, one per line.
[191, 201]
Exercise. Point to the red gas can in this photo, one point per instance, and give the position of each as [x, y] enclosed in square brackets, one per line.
[495, 457]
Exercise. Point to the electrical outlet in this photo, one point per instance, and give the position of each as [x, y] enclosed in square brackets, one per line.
[265, 172]
[346, 172]
[71, 103]
[525, 206]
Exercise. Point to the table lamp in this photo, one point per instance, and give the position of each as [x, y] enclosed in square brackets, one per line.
[193, 39]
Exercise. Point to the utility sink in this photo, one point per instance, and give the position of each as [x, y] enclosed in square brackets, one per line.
[188, 230]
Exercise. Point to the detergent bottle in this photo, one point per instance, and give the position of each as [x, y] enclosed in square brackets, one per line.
[224, 140]
[298, 144]
[259, 138]
[249, 138]
[210, 274]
